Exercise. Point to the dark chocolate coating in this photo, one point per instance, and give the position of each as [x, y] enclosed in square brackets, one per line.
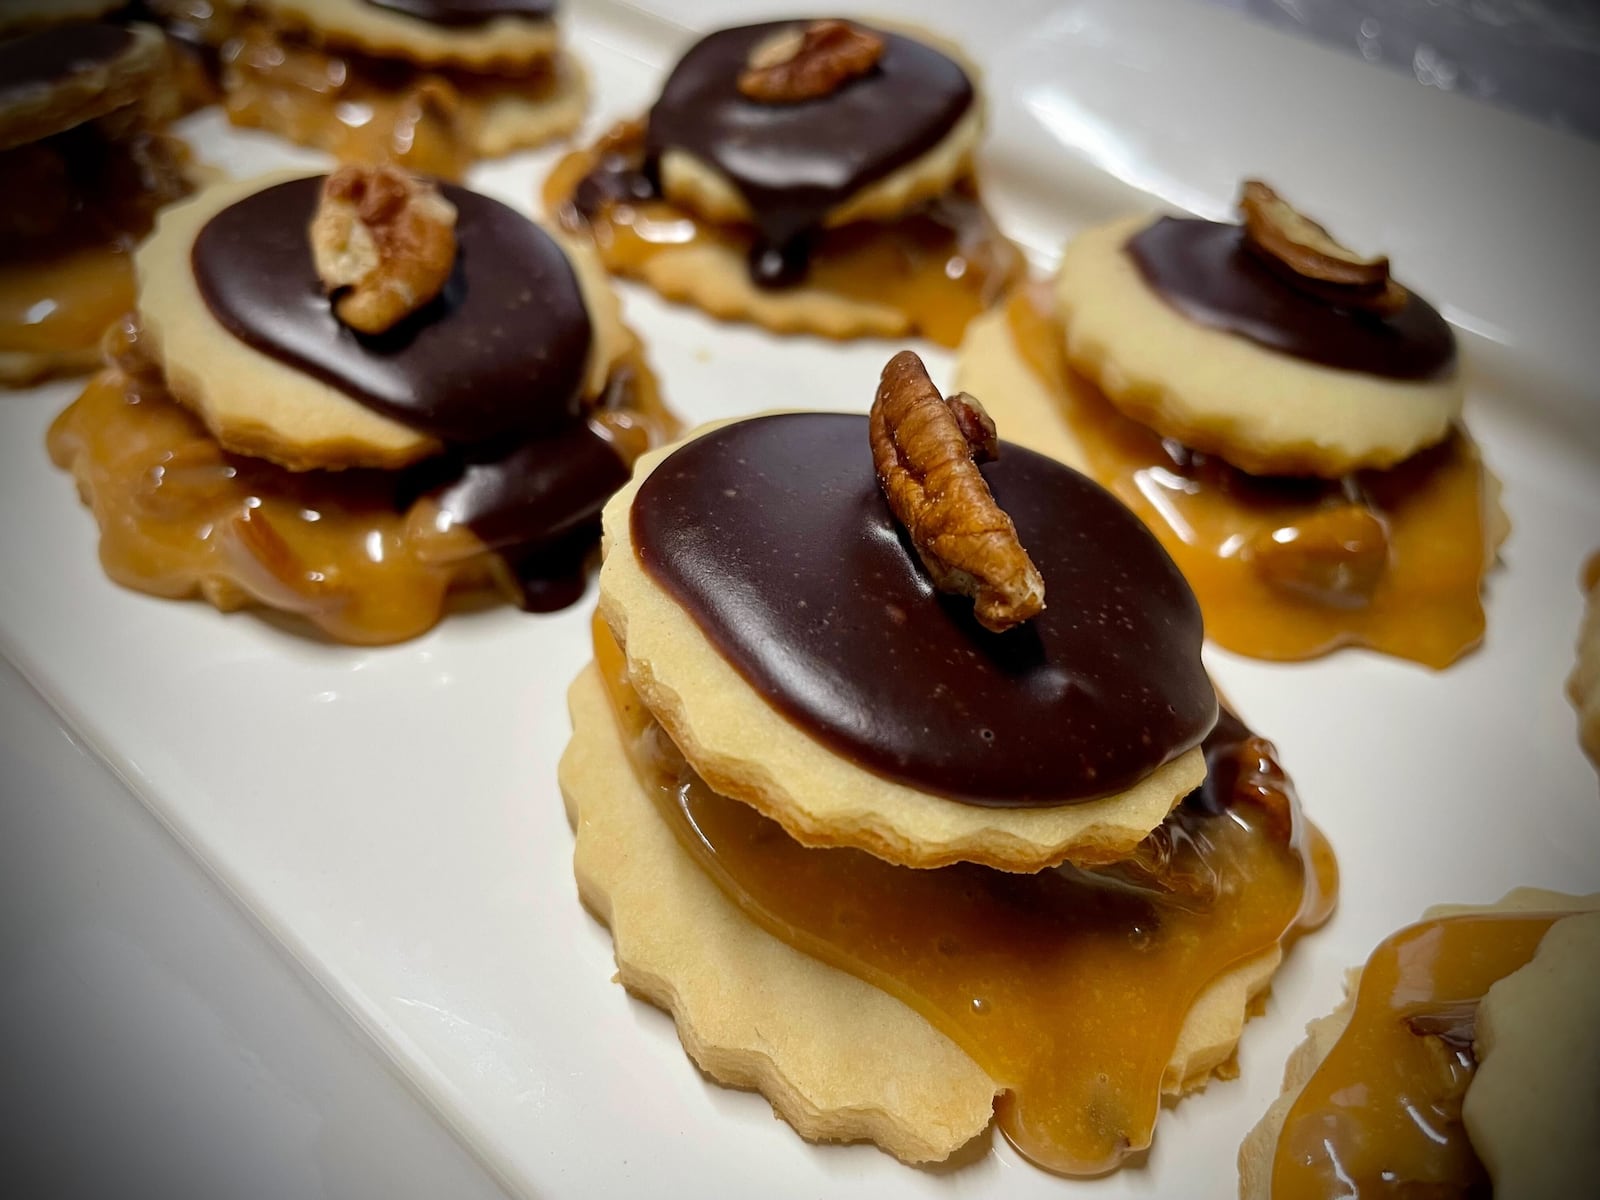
[1205, 271]
[465, 14]
[37, 61]
[775, 537]
[501, 352]
[792, 163]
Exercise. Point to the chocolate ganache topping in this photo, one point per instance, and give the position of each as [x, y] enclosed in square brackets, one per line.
[793, 163]
[466, 14]
[1205, 271]
[774, 535]
[500, 353]
[36, 62]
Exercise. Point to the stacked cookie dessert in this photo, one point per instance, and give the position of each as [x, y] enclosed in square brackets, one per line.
[900, 783]
[1280, 410]
[85, 165]
[808, 176]
[347, 397]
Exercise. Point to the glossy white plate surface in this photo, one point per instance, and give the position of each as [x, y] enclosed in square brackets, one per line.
[391, 815]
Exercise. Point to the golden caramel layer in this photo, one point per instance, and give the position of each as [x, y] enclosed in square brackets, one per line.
[941, 264]
[1068, 988]
[1290, 569]
[345, 550]
[1381, 1116]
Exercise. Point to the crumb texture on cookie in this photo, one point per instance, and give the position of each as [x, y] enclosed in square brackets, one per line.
[1284, 569]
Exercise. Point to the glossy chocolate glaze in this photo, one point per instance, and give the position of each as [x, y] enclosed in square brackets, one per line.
[37, 61]
[465, 14]
[793, 163]
[1205, 271]
[775, 537]
[500, 353]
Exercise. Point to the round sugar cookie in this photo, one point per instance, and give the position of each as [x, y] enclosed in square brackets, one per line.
[61, 77]
[506, 43]
[254, 403]
[747, 749]
[1265, 412]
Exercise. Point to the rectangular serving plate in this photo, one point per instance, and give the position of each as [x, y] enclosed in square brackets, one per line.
[391, 817]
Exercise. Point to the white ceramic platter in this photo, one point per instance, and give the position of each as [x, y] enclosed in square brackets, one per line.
[391, 816]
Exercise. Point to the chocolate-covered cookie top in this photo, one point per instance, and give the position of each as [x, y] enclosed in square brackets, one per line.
[466, 14]
[775, 537]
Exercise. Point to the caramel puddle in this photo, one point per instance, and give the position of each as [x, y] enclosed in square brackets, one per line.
[1381, 1115]
[940, 265]
[1069, 988]
[1435, 508]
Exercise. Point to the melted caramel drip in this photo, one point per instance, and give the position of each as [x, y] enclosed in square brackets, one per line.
[356, 107]
[1381, 1116]
[941, 264]
[1419, 600]
[64, 304]
[180, 517]
[1068, 988]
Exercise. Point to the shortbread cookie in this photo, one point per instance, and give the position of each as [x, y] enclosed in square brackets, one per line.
[497, 36]
[1257, 1153]
[1263, 410]
[61, 78]
[255, 404]
[1583, 685]
[838, 1059]
[746, 748]
[1534, 1104]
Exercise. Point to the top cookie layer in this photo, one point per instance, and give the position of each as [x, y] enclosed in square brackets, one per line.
[59, 78]
[747, 748]
[509, 39]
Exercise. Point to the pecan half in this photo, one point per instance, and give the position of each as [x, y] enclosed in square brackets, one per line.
[805, 63]
[1334, 556]
[384, 241]
[926, 450]
[1304, 250]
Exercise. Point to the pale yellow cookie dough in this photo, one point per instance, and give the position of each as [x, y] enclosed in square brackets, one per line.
[1583, 685]
[504, 44]
[837, 1058]
[1264, 412]
[252, 403]
[1533, 1107]
[1260, 1145]
[746, 749]
[86, 95]
[514, 119]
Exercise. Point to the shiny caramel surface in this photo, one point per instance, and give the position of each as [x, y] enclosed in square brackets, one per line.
[1068, 988]
[1381, 1116]
[1290, 569]
[344, 550]
[941, 264]
[357, 108]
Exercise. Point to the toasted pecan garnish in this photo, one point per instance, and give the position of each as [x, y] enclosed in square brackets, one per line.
[1306, 251]
[926, 449]
[1334, 556]
[804, 63]
[383, 240]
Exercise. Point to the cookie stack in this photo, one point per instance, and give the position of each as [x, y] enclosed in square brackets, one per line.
[901, 785]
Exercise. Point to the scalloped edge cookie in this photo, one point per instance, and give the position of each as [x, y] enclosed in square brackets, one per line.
[252, 403]
[503, 44]
[837, 1058]
[87, 95]
[746, 749]
[1257, 1152]
[1265, 412]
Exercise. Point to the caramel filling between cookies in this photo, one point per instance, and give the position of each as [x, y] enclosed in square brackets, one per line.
[357, 553]
[1068, 988]
[76, 205]
[358, 107]
[939, 265]
[1285, 568]
[1381, 1116]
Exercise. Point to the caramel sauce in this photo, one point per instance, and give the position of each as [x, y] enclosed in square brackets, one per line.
[1381, 1116]
[940, 265]
[1068, 988]
[346, 550]
[62, 304]
[359, 108]
[1289, 569]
